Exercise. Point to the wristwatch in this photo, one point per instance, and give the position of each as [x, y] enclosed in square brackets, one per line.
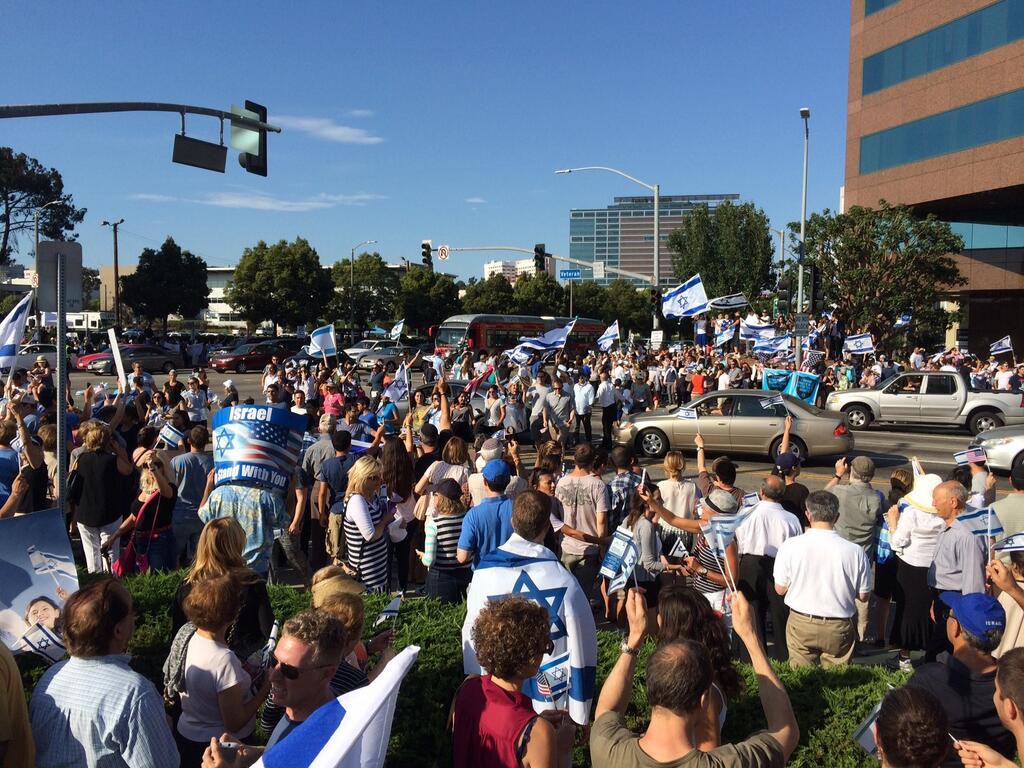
[624, 648]
[702, 571]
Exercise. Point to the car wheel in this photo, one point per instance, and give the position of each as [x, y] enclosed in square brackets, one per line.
[1017, 461]
[983, 421]
[652, 443]
[168, 366]
[796, 446]
[241, 367]
[857, 416]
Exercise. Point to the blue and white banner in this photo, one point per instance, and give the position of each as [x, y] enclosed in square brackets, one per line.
[257, 445]
[775, 344]
[322, 341]
[396, 331]
[687, 413]
[981, 522]
[351, 731]
[732, 301]
[12, 330]
[398, 389]
[1000, 347]
[753, 332]
[609, 338]
[611, 565]
[552, 341]
[685, 300]
[519, 568]
[630, 557]
[1013, 543]
[903, 321]
[171, 435]
[37, 573]
[723, 338]
[859, 344]
[800, 384]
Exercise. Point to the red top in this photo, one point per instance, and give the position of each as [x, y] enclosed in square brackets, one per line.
[488, 723]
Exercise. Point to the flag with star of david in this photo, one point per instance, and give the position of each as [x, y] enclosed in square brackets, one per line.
[256, 444]
[520, 568]
[44, 642]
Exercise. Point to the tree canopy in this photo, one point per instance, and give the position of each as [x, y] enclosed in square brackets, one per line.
[537, 294]
[366, 291]
[876, 264]
[168, 281]
[26, 186]
[426, 298]
[630, 306]
[493, 295]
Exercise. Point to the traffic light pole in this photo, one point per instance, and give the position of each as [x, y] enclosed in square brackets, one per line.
[557, 257]
[47, 110]
[799, 354]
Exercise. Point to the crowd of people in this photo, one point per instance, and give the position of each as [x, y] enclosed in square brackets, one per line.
[432, 497]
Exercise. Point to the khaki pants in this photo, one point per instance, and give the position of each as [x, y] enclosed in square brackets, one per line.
[814, 641]
[863, 612]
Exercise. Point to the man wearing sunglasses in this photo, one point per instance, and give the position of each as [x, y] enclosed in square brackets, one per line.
[301, 669]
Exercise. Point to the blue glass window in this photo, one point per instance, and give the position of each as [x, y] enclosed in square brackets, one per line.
[992, 27]
[973, 125]
[874, 6]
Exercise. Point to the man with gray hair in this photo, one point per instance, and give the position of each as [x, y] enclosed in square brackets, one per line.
[959, 561]
[860, 509]
[823, 577]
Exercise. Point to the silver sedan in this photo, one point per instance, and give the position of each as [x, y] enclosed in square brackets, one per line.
[1003, 446]
[736, 421]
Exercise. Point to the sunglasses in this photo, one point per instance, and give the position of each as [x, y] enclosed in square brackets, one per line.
[290, 672]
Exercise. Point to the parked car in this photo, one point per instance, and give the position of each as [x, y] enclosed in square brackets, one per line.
[929, 397]
[1004, 447]
[366, 346]
[153, 359]
[249, 357]
[29, 352]
[390, 357]
[302, 356]
[735, 422]
[477, 401]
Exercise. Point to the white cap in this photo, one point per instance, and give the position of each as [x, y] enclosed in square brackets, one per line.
[228, 383]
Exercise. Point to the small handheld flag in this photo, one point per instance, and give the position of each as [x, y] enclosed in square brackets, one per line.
[687, 413]
[971, 456]
[171, 436]
[1014, 543]
[607, 339]
[629, 561]
[981, 522]
[770, 402]
[44, 642]
[903, 321]
[1002, 346]
[679, 549]
[323, 341]
[396, 331]
[390, 612]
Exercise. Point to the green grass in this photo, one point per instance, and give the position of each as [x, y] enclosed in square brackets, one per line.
[829, 704]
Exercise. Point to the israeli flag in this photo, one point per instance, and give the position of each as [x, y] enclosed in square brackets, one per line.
[1014, 543]
[753, 332]
[679, 549]
[608, 339]
[720, 530]
[995, 348]
[12, 329]
[322, 340]
[750, 500]
[396, 331]
[859, 344]
[351, 731]
[903, 321]
[389, 612]
[732, 301]
[981, 522]
[553, 340]
[812, 337]
[44, 642]
[398, 389]
[630, 557]
[687, 413]
[171, 436]
[774, 344]
[724, 337]
[770, 402]
[685, 300]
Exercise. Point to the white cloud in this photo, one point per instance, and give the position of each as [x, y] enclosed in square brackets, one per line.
[326, 129]
[256, 201]
[151, 198]
[361, 113]
[475, 200]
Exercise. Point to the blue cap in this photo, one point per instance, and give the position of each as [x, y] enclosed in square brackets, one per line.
[496, 472]
[977, 612]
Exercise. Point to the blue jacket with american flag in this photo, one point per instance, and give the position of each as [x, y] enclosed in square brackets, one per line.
[521, 568]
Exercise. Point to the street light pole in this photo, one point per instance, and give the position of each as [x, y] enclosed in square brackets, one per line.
[35, 289]
[656, 189]
[805, 113]
[117, 277]
[352, 282]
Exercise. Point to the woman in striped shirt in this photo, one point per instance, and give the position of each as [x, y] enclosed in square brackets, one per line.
[447, 579]
[367, 520]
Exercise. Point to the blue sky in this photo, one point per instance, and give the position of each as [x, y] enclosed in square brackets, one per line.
[412, 120]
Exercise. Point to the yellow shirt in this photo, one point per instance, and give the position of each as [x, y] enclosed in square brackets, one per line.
[14, 727]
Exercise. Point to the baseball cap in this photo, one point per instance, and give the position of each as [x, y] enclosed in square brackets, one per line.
[977, 612]
[496, 471]
[327, 421]
[787, 460]
[448, 488]
[428, 434]
[863, 466]
[228, 383]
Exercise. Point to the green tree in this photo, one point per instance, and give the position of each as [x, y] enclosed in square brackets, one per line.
[876, 264]
[538, 294]
[587, 300]
[426, 298]
[630, 305]
[731, 248]
[25, 187]
[283, 283]
[493, 295]
[91, 287]
[168, 281]
[365, 290]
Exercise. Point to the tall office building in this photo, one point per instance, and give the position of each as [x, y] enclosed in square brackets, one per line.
[622, 235]
[936, 121]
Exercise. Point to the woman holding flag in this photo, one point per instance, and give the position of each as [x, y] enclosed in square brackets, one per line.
[367, 519]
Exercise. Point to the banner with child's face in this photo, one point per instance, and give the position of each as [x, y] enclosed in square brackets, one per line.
[256, 445]
[37, 574]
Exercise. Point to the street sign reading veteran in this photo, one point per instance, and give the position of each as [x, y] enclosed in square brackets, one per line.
[256, 445]
[37, 573]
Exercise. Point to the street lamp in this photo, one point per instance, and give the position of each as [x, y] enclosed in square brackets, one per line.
[805, 113]
[656, 189]
[352, 281]
[35, 290]
[117, 279]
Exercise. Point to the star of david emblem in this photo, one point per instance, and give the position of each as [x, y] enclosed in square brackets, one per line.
[225, 441]
[44, 643]
[551, 599]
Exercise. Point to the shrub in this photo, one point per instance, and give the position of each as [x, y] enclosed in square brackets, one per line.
[829, 704]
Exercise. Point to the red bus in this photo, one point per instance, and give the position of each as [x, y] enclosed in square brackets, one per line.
[499, 333]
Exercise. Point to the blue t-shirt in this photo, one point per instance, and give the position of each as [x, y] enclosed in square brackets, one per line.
[334, 472]
[389, 411]
[487, 526]
[369, 419]
[9, 467]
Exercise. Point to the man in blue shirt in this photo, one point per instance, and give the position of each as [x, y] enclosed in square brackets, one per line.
[190, 471]
[489, 524]
[366, 415]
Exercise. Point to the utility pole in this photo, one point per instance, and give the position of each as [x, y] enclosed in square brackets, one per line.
[117, 275]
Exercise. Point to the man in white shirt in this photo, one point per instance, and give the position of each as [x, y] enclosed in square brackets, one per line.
[583, 399]
[604, 399]
[1001, 380]
[758, 539]
[822, 576]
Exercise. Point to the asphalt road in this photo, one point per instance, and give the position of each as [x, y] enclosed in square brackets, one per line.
[890, 447]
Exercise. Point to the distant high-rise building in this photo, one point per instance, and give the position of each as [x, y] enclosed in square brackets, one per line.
[513, 269]
[622, 235]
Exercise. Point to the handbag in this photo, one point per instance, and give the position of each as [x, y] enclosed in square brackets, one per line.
[131, 561]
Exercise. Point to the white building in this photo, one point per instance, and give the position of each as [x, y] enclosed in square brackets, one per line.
[513, 269]
[219, 312]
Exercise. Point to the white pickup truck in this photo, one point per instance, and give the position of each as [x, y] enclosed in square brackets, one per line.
[928, 397]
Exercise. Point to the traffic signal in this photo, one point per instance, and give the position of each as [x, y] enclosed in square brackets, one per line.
[539, 258]
[655, 298]
[428, 259]
[256, 163]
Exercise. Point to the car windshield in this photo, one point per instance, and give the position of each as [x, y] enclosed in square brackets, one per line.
[364, 345]
[451, 335]
[243, 349]
[884, 384]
